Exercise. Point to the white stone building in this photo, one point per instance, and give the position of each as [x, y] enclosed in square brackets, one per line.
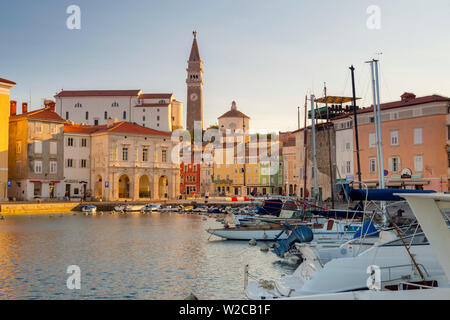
[133, 162]
[159, 111]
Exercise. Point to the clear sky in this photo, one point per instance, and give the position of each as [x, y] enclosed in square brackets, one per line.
[264, 54]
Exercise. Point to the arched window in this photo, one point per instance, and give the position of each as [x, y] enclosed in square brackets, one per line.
[115, 104]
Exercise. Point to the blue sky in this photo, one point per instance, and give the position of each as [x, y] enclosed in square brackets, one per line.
[266, 55]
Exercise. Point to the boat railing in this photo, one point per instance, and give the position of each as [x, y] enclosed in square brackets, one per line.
[417, 285]
[413, 267]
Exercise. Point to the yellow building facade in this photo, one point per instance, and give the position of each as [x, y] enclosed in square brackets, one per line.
[5, 87]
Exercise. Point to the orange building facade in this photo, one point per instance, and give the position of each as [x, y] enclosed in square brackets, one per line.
[415, 140]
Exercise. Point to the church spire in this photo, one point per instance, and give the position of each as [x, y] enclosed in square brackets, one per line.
[195, 54]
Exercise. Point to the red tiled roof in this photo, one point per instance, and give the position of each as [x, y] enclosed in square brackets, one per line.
[155, 95]
[77, 128]
[128, 127]
[45, 114]
[400, 103]
[7, 81]
[234, 114]
[102, 93]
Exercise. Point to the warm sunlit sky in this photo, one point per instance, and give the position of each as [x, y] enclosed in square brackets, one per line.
[264, 54]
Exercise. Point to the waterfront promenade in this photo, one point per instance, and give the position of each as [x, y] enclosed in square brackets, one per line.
[35, 207]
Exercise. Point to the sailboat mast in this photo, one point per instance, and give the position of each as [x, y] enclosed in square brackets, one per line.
[305, 144]
[375, 120]
[313, 111]
[380, 141]
[355, 123]
[329, 149]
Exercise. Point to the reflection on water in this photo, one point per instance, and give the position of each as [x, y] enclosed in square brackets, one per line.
[157, 256]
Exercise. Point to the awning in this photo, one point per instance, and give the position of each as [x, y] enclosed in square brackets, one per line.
[413, 182]
[335, 100]
[368, 184]
[395, 183]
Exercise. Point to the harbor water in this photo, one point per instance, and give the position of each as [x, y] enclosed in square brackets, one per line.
[133, 256]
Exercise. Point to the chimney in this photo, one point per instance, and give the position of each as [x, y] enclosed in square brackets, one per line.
[50, 104]
[407, 96]
[12, 108]
[24, 107]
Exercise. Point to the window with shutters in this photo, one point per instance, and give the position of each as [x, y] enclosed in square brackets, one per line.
[38, 167]
[125, 154]
[348, 166]
[394, 138]
[394, 116]
[418, 163]
[347, 146]
[53, 147]
[372, 165]
[38, 147]
[53, 166]
[372, 140]
[394, 164]
[145, 155]
[417, 135]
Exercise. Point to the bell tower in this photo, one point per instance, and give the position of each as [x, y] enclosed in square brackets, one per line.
[194, 83]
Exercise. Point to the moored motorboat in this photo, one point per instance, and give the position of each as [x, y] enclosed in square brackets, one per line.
[150, 208]
[322, 228]
[89, 209]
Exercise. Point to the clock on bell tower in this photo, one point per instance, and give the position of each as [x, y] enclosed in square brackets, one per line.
[194, 83]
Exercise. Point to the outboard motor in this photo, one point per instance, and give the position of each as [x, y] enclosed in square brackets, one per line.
[298, 235]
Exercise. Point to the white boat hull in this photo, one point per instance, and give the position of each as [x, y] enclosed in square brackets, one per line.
[243, 234]
[272, 234]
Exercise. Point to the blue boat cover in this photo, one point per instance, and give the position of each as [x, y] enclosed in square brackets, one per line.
[382, 194]
[367, 228]
[337, 214]
[271, 207]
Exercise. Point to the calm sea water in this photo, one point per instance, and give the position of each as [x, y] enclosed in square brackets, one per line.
[157, 256]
